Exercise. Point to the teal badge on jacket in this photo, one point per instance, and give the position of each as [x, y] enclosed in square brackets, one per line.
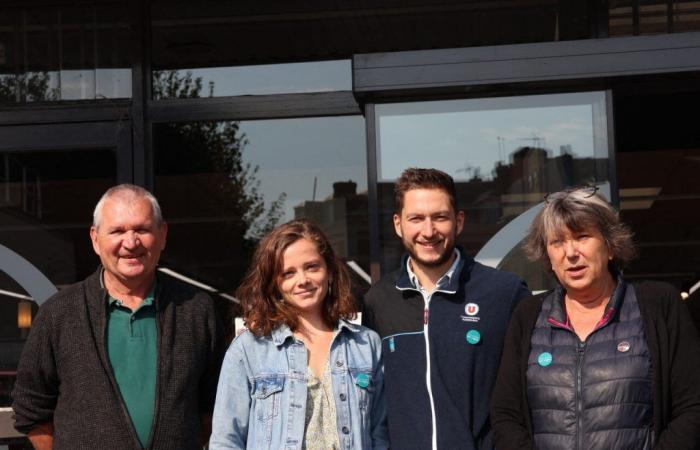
[473, 337]
[362, 380]
[544, 359]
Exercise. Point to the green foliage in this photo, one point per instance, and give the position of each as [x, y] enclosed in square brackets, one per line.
[215, 148]
[27, 87]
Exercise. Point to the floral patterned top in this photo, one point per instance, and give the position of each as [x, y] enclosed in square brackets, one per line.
[320, 428]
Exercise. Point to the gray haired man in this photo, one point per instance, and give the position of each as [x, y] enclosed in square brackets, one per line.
[125, 359]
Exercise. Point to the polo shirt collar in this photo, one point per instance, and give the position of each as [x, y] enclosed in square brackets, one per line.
[147, 301]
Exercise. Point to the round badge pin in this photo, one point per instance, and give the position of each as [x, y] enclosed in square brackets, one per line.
[623, 347]
[362, 380]
[471, 309]
[473, 337]
[544, 359]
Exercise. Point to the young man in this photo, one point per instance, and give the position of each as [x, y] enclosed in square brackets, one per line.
[125, 359]
[442, 318]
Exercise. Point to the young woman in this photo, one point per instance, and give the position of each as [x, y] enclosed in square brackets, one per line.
[301, 376]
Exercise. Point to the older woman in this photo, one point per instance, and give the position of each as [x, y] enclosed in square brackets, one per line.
[302, 376]
[597, 363]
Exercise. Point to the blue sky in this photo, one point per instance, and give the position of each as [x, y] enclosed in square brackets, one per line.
[457, 134]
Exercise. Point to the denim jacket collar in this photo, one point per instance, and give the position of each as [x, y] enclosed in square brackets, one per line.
[283, 332]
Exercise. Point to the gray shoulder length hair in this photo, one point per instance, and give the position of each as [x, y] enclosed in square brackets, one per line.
[578, 210]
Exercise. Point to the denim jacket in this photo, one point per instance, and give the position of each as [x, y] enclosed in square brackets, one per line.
[261, 398]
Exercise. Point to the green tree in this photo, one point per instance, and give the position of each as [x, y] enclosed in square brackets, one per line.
[32, 87]
[218, 147]
[212, 192]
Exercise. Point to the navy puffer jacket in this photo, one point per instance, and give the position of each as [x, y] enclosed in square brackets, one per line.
[595, 394]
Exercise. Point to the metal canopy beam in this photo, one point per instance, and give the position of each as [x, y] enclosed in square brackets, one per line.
[378, 74]
[65, 112]
[249, 107]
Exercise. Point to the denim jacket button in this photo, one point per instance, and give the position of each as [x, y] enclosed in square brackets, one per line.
[342, 397]
[346, 430]
[339, 363]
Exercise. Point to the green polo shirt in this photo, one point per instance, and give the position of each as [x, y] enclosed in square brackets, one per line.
[132, 338]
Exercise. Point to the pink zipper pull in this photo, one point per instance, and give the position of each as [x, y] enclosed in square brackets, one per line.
[425, 316]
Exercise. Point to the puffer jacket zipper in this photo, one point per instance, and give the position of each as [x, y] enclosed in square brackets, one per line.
[580, 354]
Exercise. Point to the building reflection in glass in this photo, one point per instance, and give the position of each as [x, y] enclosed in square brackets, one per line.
[505, 154]
[46, 202]
[224, 185]
[64, 52]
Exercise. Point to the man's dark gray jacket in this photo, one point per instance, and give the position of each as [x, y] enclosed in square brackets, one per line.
[64, 375]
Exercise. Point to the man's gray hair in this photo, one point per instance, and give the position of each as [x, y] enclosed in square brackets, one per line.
[127, 191]
[579, 210]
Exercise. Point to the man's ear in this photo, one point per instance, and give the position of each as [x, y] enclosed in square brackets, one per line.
[93, 238]
[163, 234]
[397, 225]
[460, 221]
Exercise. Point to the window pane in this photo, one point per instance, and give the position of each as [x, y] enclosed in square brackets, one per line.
[686, 16]
[658, 161]
[318, 76]
[505, 154]
[46, 202]
[195, 35]
[223, 185]
[627, 18]
[64, 53]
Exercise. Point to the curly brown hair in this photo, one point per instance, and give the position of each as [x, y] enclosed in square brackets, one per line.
[259, 291]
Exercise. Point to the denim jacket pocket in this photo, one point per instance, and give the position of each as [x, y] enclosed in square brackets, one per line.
[267, 393]
[364, 386]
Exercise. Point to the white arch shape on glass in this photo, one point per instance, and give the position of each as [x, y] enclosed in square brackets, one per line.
[26, 275]
[510, 236]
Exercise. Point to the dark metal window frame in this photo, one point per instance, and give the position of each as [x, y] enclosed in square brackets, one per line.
[73, 136]
[523, 69]
[518, 69]
[511, 69]
[139, 113]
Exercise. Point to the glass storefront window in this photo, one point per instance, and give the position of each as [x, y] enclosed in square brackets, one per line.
[627, 18]
[316, 76]
[189, 35]
[223, 185]
[46, 203]
[65, 53]
[504, 153]
[658, 161]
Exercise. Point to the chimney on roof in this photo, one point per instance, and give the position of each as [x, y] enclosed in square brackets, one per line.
[344, 189]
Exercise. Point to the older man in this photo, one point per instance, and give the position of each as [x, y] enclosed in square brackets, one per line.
[125, 359]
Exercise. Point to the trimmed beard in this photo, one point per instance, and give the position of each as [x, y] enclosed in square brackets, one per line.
[438, 262]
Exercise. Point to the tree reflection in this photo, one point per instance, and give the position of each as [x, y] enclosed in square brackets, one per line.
[27, 87]
[210, 195]
[215, 148]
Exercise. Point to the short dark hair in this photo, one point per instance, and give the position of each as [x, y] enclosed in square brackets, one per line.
[259, 293]
[417, 178]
